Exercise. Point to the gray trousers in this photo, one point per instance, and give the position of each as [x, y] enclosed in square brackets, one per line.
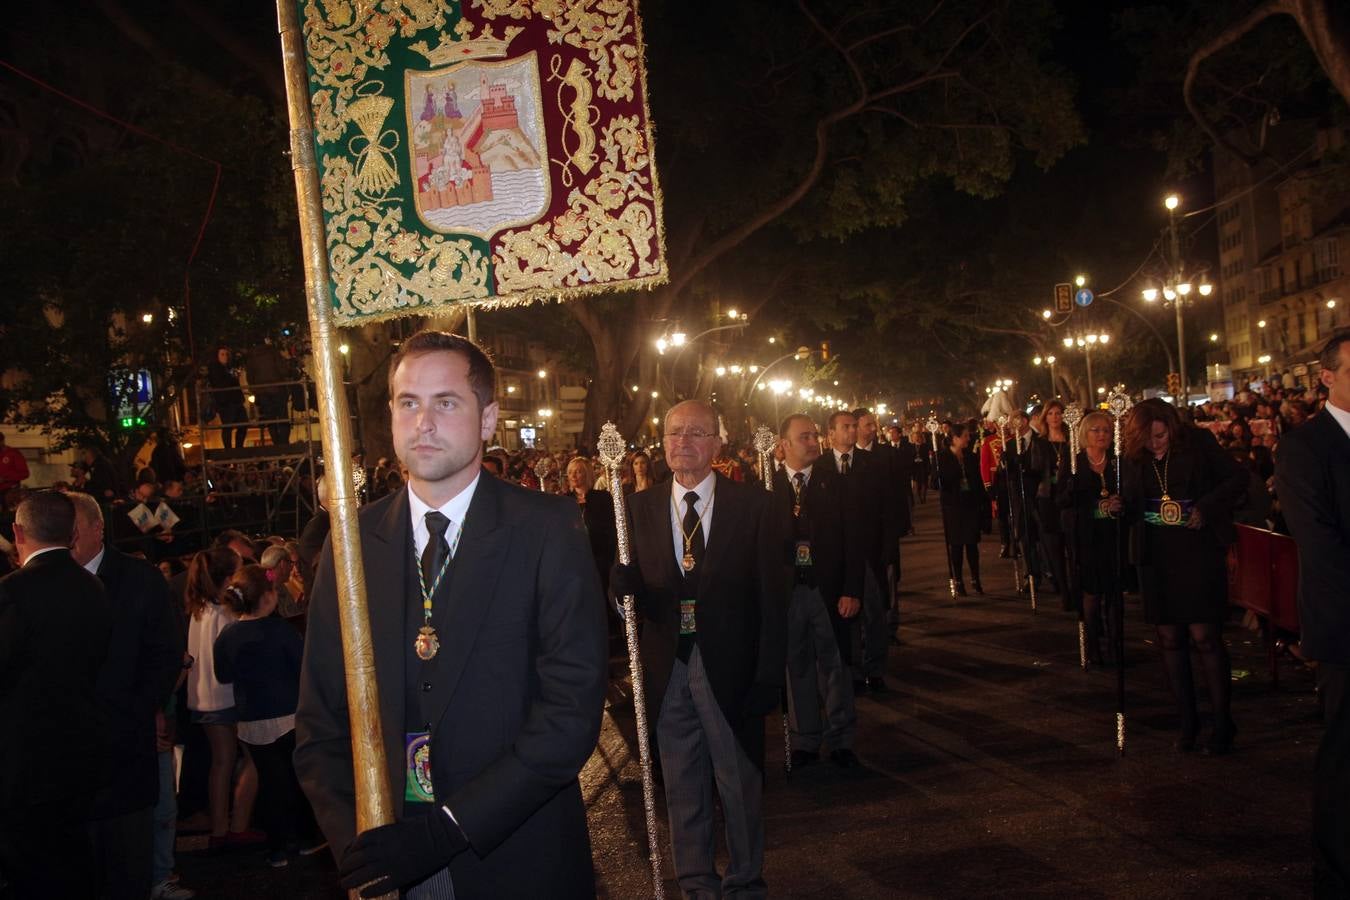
[816, 671]
[437, 886]
[699, 747]
[874, 629]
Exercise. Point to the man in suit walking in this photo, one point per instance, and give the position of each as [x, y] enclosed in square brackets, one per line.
[875, 529]
[709, 574]
[488, 628]
[54, 629]
[1312, 477]
[145, 657]
[891, 479]
[821, 513]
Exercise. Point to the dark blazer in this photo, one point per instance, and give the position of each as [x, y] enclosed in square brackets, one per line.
[55, 623]
[742, 599]
[598, 517]
[1207, 471]
[1312, 478]
[894, 476]
[870, 481]
[965, 514]
[514, 697]
[145, 657]
[833, 511]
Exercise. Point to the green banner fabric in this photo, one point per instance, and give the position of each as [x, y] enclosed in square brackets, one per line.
[485, 153]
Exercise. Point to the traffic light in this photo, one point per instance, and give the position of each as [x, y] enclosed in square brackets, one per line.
[1174, 384]
[824, 351]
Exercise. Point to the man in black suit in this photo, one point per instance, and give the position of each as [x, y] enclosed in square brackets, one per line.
[145, 657]
[892, 480]
[54, 628]
[1312, 477]
[821, 513]
[488, 629]
[876, 530]
[709, 574]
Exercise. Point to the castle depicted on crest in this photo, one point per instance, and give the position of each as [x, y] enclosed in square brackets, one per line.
[456, 154]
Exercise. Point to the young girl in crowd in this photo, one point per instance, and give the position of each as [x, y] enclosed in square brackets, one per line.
[212, 703]
[260, 656]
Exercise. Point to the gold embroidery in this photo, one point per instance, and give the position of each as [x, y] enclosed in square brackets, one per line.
[580, 115]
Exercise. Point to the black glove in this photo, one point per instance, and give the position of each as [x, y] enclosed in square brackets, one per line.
[625, 579]
[762, 700]
[389, 857]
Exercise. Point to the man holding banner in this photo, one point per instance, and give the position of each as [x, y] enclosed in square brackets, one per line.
[488, 629]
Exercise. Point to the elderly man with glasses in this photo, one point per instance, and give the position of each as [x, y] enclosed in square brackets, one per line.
[710, 574]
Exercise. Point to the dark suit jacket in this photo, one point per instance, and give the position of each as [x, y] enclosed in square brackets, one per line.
[872, 494]
[1312, 478]
[514, 696]
[895, 474]
[833, 511]
[144, 659]
[742, 599]
[54, 628]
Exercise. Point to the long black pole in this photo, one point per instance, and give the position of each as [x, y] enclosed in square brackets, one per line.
[1119, 404]
[1025, 536]
[937, 475]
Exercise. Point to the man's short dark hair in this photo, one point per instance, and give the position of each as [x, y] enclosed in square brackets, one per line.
[786, 424]
[861, 411]
[228, 537]
[47, 517]
[482, 374]
[1330, 357]
[834, 417]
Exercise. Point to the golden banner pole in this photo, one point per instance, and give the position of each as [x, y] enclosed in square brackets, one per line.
[373, 802]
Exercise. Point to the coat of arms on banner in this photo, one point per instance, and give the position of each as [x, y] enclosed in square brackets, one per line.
[489, 152]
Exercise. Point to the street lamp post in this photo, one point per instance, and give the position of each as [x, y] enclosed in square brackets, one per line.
[1172, 202]
[1049, 361]
[1087, 343]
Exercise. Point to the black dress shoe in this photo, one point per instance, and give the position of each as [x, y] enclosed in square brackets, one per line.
[877, 685]
[961, 589]
[1220, 742]
[979, 588]
[844, 758]
[803, 758]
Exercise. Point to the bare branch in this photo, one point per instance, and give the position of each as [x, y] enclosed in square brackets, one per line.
[1228, 36]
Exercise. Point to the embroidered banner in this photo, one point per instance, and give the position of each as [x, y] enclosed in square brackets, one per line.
[485, 152]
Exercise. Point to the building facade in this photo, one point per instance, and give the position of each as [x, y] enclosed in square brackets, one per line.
[1284, 236]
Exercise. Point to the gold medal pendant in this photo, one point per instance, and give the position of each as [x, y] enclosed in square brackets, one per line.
[1169, 511]
[1105, 493]
[1103, 506]
[427, 643]
[687, 563]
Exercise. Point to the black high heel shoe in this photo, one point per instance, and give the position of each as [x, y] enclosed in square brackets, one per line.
[975, 583]
[961, 588]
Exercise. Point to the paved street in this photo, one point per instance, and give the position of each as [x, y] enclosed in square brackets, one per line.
[989, 769]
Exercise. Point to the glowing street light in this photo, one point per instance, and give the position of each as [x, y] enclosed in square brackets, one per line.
[343, 349]
[1206, 289]
[542, 373]
[1080, 280]
[720, 370]
[1213, 338]
[1150, 295]
[678, 338]
[1047, 314]
[1171, 201]
[148, 318]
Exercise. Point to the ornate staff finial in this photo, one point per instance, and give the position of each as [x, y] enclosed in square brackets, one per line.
[1073, 414]
[610, 445]
[1118, 403]
[765, 439]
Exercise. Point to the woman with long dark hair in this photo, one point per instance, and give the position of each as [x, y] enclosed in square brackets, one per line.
[965, 505]
[1179, 491]
[1091, 499]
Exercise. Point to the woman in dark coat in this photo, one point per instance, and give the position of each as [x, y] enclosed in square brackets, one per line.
[965, 505]
[597, 513]
[1179, 492]
[1093, 509]
[228, 398]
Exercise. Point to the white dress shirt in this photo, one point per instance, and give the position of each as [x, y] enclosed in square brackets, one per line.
[93, 564]
[703, 507]
[792, 474]
[839, 458]
[455, 509]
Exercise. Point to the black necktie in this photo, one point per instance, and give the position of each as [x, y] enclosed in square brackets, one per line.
[693, 528]
[437, 551]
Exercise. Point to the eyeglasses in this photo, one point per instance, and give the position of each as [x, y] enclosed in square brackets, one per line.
[687, 434]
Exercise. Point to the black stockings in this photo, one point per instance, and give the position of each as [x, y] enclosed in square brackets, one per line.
[1215, 666]
[972, 557]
